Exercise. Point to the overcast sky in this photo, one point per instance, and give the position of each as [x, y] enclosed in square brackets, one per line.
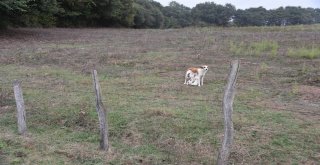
[244, 4]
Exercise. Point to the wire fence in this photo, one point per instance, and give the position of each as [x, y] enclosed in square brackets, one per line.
[65, 87]
[49, 93]
[132, 91]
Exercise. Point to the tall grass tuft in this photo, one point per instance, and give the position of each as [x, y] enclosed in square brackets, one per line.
[254, 49]
[309, 53]
[269, 47]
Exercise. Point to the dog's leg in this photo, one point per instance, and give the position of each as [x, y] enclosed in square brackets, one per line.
[191, 79]
[196, 79]
[186, 78]
[202, 80]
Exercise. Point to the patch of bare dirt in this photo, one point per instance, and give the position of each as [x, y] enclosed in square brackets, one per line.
[132, 138]
[309, 93]
[156, 112]
[182, 149]
[4, 109]
[311, 78]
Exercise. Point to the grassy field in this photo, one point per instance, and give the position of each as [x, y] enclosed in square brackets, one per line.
[153, 117]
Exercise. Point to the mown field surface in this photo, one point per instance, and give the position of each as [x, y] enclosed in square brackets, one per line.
[153, 117]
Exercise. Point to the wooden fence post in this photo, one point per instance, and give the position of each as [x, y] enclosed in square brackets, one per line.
[103, 124]
[21, 113]
[228, 98]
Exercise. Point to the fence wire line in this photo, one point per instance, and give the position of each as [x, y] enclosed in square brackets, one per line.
[179, 117]
[153, 98]
[209, 118]
[133, 63]
[141, 97]
[90, 91]
[141, 84]
[68, 85]
[64, 89]
[136, 96]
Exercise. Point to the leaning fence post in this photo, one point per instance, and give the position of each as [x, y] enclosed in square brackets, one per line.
[21, 113]
[104, 144]
[228, 97]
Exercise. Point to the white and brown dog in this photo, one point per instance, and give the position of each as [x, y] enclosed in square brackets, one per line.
[195, 75]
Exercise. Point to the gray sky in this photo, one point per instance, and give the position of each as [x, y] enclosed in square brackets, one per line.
[244, 4]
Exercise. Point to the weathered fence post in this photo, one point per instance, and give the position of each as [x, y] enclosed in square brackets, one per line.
[227, 111]
[21, 113]
[104, 144]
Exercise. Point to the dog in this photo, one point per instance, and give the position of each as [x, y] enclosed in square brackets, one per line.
[195, 75]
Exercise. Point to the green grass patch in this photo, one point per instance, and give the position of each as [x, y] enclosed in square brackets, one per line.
[308, 53]
[265, 47]
[118, 124]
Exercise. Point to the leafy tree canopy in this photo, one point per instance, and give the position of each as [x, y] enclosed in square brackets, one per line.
[145, 14]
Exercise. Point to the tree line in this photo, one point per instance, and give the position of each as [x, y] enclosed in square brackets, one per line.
[144, 14]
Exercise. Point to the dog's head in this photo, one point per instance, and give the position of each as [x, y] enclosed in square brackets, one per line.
[204, 67]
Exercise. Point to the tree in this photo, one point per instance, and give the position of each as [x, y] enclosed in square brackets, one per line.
[11, 10]
[96, 13]
[225, 13]
[41, 13]
[293, 15]
[148, 14]
[177, 15]
[277, 17]
[113, 12]
[76, 13]
[204, 13]
[251, 17]
[211, 13]
[144, 14]
[316, 15]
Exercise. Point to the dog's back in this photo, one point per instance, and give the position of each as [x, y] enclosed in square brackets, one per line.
[193, 70]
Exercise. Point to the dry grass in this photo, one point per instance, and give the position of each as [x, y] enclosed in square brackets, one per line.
[153, 117]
